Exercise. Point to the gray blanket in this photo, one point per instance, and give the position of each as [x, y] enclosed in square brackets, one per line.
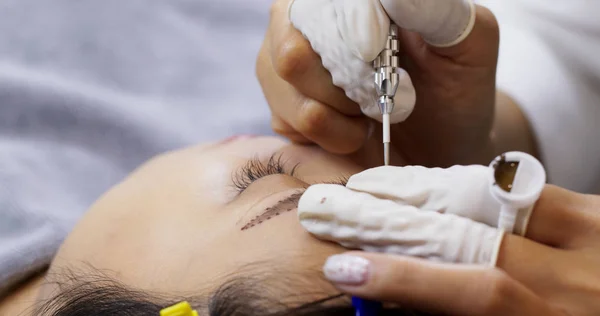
[90, 89]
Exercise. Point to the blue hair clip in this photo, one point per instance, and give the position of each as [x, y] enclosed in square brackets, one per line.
[365, 307]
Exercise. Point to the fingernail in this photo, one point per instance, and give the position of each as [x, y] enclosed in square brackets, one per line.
[346, 269]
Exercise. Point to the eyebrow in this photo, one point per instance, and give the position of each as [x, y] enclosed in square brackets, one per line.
[282, 206]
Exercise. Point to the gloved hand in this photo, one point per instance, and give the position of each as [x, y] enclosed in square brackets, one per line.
[553, 271]
[449, 51]
[349, 34]
[445, 215]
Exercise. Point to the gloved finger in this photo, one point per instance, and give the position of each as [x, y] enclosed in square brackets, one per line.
[464, 191]
[433, 287]
[363, 25]
[315, 121]
[359, 220]
[284, 129]
[440, 23]
[459, 190]
[317, 20]
[295, 61]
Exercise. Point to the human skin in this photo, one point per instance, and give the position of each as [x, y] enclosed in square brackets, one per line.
[459, 116]
[175, 224]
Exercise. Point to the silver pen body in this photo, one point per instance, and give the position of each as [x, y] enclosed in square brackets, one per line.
[387, 79]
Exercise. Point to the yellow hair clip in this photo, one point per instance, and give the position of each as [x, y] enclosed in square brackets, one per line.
[179, 309]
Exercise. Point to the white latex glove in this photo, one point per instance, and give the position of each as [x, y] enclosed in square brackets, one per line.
[439, 214]
[349, 34]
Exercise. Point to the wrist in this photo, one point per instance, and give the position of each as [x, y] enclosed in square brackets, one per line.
[511, 130]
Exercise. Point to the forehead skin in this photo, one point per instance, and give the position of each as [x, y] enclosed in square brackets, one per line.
[174, 225]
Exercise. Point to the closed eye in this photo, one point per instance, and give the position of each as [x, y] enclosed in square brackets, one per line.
[255, 169]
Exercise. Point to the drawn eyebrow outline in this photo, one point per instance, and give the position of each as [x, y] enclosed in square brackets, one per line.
[286, 205]
[282, 206]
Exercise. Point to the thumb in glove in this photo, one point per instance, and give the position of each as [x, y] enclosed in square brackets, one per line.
[329, 26]
[349, 34]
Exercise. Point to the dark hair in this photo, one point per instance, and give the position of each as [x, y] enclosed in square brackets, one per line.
[96, 294]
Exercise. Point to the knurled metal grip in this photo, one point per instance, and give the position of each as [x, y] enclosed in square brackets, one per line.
[386, 67]
[389, 55]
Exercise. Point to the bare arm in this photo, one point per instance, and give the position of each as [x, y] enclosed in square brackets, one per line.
[510, 131]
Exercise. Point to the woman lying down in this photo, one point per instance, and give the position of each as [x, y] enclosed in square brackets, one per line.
[217, 226]
[214, 225]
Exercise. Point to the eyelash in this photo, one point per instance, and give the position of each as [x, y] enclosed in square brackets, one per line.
[342, 180]
[255, 169]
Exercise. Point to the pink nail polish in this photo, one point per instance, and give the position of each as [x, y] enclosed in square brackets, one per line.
[346, 269]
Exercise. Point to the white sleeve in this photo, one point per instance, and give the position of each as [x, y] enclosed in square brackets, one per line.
[548, 66]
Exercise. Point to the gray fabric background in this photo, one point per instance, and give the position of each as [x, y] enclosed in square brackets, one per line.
[90, 89]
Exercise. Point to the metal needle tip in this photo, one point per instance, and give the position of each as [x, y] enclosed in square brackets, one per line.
[386, 154]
